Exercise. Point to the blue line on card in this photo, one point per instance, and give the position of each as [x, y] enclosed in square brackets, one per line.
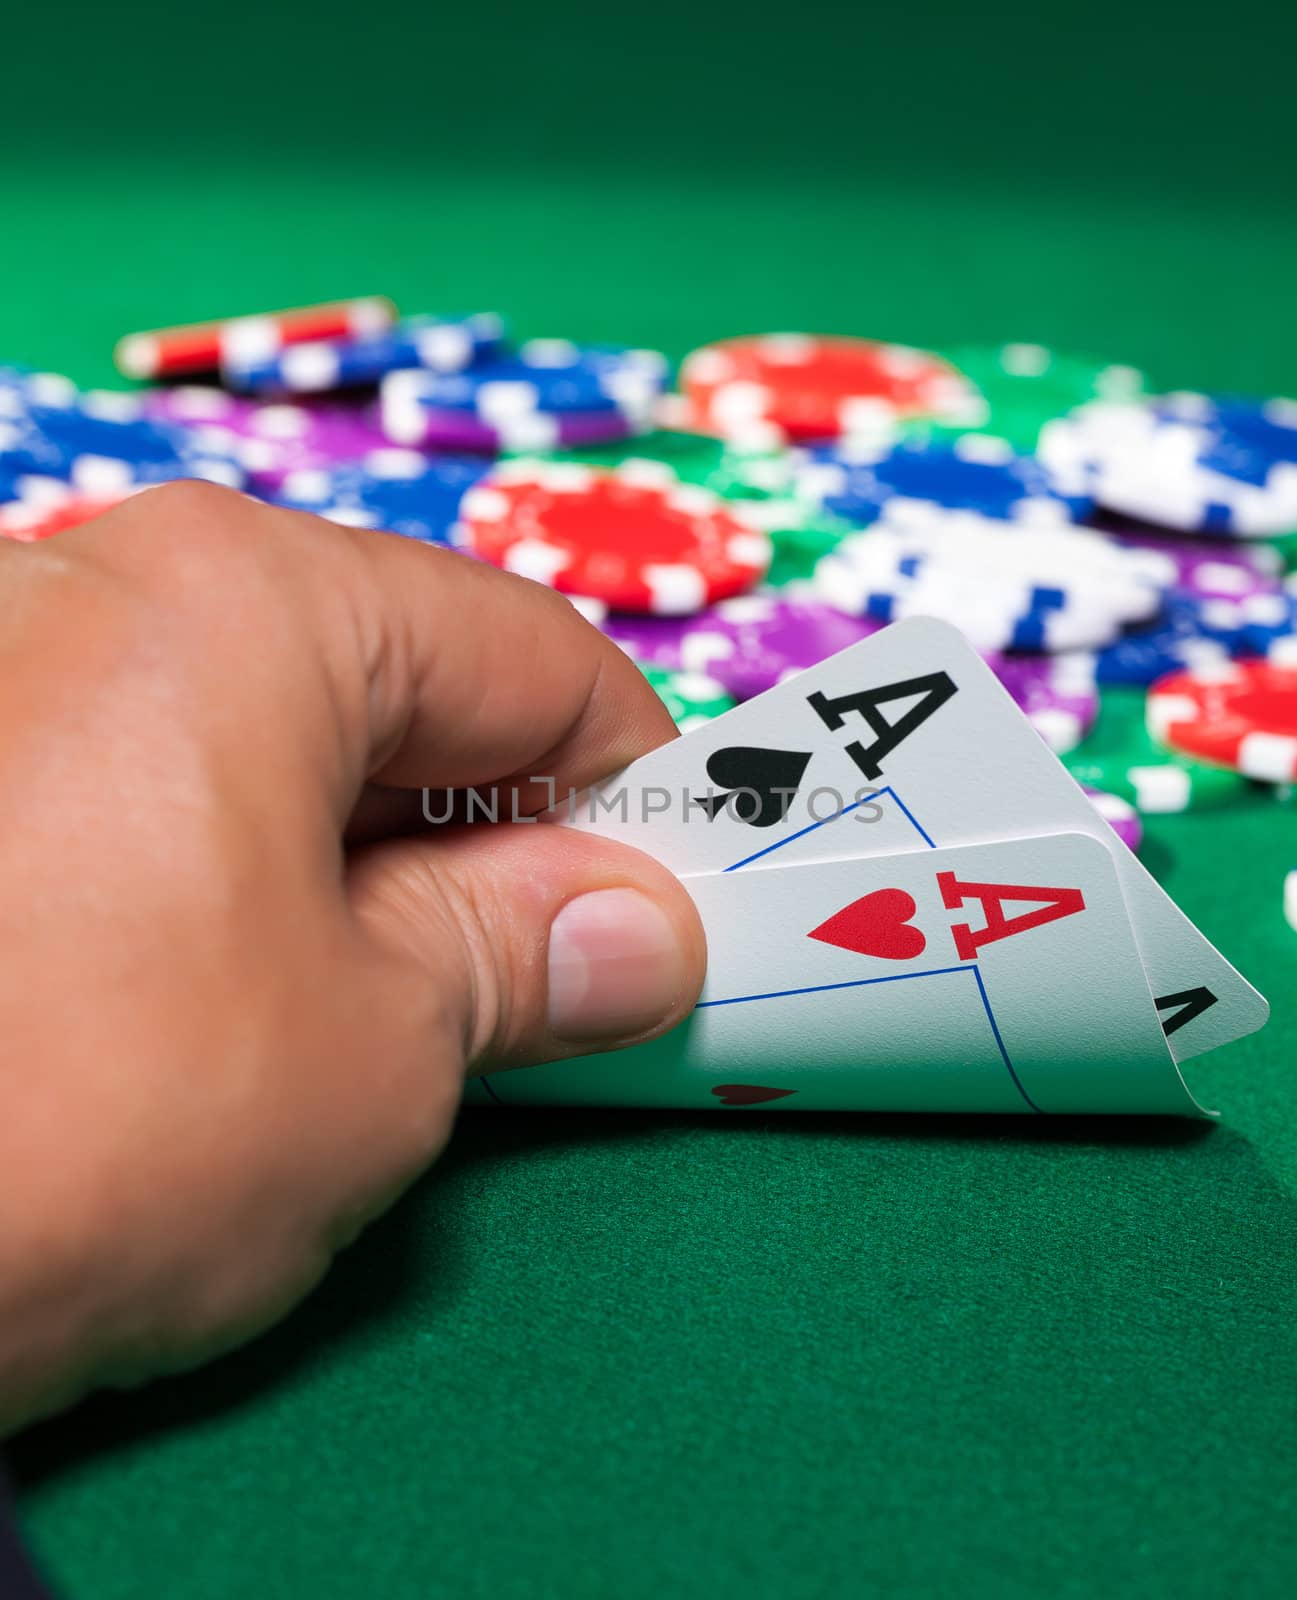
[825, 988]
[894, 977]
[486, 1084]
[874, 794]
[910, 817]
[995, 1029]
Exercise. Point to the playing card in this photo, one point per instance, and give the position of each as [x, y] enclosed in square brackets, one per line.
[991, 977]
[903, 742]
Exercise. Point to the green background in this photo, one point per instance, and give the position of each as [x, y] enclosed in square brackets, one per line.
[617, 1355]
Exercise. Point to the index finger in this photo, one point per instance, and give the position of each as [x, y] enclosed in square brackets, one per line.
[481, 677]
[379, 660]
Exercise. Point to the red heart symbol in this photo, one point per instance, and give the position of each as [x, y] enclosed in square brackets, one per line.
[747, 1094]
[875, 925]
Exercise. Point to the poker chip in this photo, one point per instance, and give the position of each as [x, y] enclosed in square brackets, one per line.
[634, 537]
[1120, 756]
[1239, 714]
[1120, 816]
[801, 492]
[747, 644]
[25, 450]
[440, 344]
[692, 457]
[1079, 561]
[194, 405]
[409, 418]
[1146, 462]
[20, 389]
[1057, 694]
[692, 698]
[858, 480]
[814, 386]
[1211, 569]
[1191, 632]
[103, 444]
[1005, 585]
[1026, 618]
[1290, 898]
[270, 441]
[546, 375]
[799, 546]
[1246, 437]
[758, 464]
[205, 346]
[1265, 620]
[799, 535]
[1022, 386]
[399, 491]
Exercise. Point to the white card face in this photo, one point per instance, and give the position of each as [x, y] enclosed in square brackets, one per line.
[914, 718]
[994, 977]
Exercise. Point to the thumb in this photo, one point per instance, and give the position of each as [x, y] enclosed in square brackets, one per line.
[532, 942]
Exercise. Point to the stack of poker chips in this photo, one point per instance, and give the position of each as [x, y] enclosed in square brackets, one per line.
[1118, 556]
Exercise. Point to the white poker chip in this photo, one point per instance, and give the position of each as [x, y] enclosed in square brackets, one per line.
[1169, 469]
[1005, 585]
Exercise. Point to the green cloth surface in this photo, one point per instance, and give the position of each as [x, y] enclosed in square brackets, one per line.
[738, 1354]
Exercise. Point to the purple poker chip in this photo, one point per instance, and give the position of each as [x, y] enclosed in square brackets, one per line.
[437, 428]
[1057, 693]
[271, 441]
[410, 415]
[1211, 569]
[1120, 816]
[284, 439]
[747, 644]
[196, 406]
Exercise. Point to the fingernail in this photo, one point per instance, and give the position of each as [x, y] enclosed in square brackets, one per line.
[615, 966]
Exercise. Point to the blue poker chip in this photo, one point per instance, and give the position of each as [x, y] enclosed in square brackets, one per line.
[101, 442]
[439, 344]
[24, 485]
[20, 387]
[974, 472]
[1266, 619]
[1246, 437]
[546, 375]
[397, 490]
[25, 450]
[1192, 632]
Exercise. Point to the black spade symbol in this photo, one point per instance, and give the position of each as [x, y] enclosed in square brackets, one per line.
[759, 783]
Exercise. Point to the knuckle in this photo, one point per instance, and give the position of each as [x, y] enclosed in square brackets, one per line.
[189, 498]
[191, 517]
[170, 542]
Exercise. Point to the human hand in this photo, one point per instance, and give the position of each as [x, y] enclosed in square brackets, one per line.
[238, 997]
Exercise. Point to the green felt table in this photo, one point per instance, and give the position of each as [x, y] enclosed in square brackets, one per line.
[633, 1355]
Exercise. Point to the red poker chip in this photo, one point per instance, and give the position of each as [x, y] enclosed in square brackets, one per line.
[205, 346]
[635, 537]
[28, 521]
[1239, 714]
[816, 386]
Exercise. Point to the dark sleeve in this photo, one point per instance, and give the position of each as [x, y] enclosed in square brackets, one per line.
[18, 1580]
